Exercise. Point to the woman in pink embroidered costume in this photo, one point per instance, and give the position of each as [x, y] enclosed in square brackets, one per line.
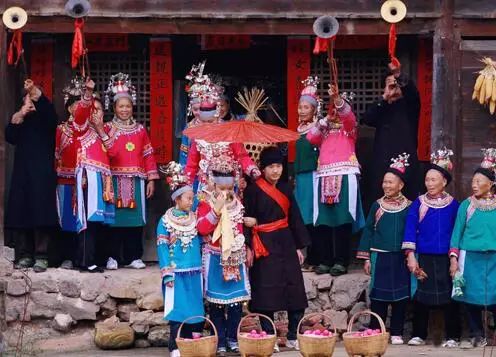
[220, 220]
[133, 173]
[202, 153]
[84, 190]
[337, 201]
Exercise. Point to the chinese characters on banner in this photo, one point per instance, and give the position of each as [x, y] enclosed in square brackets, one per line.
[225, 42]
[161, 99]
[424, 82]
[42, 65]
[298, 69]
[103, 42]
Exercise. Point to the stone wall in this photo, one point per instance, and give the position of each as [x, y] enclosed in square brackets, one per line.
[126, 305]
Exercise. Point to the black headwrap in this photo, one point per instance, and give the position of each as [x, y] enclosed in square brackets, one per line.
[270, 155]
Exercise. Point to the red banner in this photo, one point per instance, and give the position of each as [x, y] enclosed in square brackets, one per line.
[424, 83]
[105, 42]
[225, 42]
[41, 62]
[161, 98]
[298, 69]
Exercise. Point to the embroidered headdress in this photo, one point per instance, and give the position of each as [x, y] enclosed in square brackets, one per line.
[441, 161]
[176, 179]
[120, 86]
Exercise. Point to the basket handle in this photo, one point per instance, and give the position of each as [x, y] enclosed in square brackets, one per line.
[196, 317]
[259, 315]
[366, 312]
[306, 317]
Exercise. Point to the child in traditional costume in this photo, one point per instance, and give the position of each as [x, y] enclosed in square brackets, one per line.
[305, 166]
[428, 230]
[84, 190]
[220, 220]
[277, 237]
[179, 254]
[133, 169]
[473, 250]
[380, 247]
[336, 194]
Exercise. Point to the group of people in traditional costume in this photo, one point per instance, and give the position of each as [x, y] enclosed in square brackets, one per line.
[101, 175]
[236, 233]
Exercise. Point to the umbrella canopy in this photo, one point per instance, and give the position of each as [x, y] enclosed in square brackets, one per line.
[241, 131]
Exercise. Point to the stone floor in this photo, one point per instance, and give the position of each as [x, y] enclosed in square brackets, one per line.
[403, 351]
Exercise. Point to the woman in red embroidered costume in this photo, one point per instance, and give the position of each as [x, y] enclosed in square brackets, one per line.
[132, 164]
[202, 153]
[84, 190]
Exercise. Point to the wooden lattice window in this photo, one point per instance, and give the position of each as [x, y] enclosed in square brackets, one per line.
[103, 65]
[359, 71]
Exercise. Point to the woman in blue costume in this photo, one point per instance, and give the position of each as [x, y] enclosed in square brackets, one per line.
[473, 250]
[179, 254]
[429, 225]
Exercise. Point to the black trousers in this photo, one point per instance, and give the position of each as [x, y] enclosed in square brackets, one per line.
[398, 311]
[186, 332]
[452, 322]
[331, 245]
[294, 317]
[86, 240]
[33, 243]
[124, 244]
[67, 246]
[475, 318]
[226, 319]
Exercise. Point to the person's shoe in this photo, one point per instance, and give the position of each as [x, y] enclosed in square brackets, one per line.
[24, 263]
[112, 264]
[397, 340]
[293, 344]
[40, 265]
[276, 348]
[479, 341]
[337, 270]
[466, 344]
[322, 269]
[175, 353]
[233, 346]
[221, 351]
[136, 264]
[450, 344]
[416, 341]
[67, 264]
[306, 268]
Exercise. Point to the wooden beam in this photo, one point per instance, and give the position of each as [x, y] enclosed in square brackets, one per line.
[476, 27]
[446, 109]
[253, 26]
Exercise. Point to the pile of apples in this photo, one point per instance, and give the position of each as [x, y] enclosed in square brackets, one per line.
[256, 334]
[318, 333]
[196, 336]
[367, 333]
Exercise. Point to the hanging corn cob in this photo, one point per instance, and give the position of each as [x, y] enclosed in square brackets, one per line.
[485, 85]
[253, 100]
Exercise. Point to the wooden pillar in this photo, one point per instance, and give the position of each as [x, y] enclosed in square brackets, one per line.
[445, 87]
[4, 97]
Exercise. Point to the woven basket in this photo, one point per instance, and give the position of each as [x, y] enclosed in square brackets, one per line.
[316, 346]
[366, 346]
[203, 347]
[259, 347]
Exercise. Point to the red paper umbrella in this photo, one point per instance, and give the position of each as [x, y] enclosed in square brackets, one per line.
[241, 131]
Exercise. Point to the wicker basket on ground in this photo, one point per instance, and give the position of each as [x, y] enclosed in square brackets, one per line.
[256, 347]
[316, 346]
[367, 346]
[202, 347]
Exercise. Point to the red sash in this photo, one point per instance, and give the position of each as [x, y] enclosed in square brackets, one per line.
[283, 202]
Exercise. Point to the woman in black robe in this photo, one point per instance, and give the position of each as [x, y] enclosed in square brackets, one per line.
[31, 211]
[276, 277]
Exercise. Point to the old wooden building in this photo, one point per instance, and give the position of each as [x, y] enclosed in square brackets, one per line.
[264, 43]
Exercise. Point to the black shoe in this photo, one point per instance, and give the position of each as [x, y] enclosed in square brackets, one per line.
[24, 263]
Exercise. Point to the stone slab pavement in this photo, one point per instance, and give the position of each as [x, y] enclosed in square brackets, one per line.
[393, 351]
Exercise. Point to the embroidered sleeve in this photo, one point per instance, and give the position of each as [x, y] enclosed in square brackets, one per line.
[149, 158]
[459, 228]
[184, 149]
[163, 253]
[207, 219]
[348, 118]
[193, 162]
[314, 136]
[243, 158]
[411, 227]
[81, 114]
